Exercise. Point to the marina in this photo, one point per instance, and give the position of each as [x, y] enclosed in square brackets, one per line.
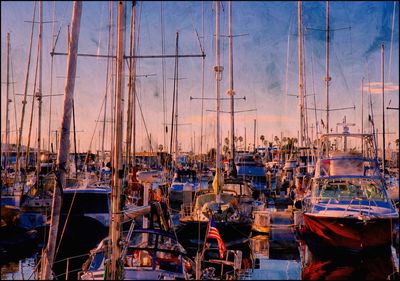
[199, 140]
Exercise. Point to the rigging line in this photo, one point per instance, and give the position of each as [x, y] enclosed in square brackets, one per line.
[108, 78]
[131, 84]
[313, 90]
[51, 73]
[351, 41]
[342, 74]
[138, 66]
[305, 125]
[391, 42]
[287, 56]
[25, 92]
[173, 105]
[195, 31]
[144, 123]
[94, 131]
[370, 98]
[32, 110]
[15, 105]
[99, 41]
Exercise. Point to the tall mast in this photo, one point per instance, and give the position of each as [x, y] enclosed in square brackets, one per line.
[176, 96]
[255, 132]
[301, 91]
[18, 162]
[327, 78]
[383, 108]
[362, 112]
[117, 170]
[218, 77]
[39, 92]
[63, 152]
[7, 101]
[103, 155]
[131, 88]
[231, 92]
[202, 89]
[51, 78]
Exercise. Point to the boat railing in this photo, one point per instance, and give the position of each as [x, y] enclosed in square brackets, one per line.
[329, 204]
[67, 260]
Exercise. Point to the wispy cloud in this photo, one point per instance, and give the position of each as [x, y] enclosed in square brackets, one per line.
[376, 87]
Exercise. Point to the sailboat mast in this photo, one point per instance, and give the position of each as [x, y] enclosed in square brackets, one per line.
[63, 152]
[327, 78]
[231, 92]
[202, 90]
[176, 97]
[103, 155]
[39, 92]
[7, 101]
[18, 162]
[51, 79]
[301, 91]
[383, 108]
[131, 88]
[218, 76]
[117, 171]
[362, 112]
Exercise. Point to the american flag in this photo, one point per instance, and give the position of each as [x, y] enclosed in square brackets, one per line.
[214, 233]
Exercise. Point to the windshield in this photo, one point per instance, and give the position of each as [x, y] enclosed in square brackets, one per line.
[349, 189]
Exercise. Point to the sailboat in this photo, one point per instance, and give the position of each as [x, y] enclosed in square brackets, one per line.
[225, 204]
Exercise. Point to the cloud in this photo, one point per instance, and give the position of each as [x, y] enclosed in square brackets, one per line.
[376, 87]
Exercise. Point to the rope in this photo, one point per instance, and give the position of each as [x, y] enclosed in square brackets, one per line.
[15, 109]
[94, 130]
[65, 224]
[32, 109]
[391, 41]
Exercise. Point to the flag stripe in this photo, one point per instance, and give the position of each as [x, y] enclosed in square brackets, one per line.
[214, 234]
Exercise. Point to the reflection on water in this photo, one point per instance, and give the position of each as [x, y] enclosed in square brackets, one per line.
[333, 265]
[19, 270]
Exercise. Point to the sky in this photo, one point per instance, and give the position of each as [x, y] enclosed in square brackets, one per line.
[265, 60]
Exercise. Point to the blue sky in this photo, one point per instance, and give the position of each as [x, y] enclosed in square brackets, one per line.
[262, 71]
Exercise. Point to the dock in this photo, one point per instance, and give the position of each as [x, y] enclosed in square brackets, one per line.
[281, 260]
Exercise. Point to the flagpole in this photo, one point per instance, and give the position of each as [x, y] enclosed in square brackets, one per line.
[200, 258]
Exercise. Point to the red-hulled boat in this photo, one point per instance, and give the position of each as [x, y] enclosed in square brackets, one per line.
[346, 205]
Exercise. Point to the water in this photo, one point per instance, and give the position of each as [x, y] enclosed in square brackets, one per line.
[281, 256]
[19, 270]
